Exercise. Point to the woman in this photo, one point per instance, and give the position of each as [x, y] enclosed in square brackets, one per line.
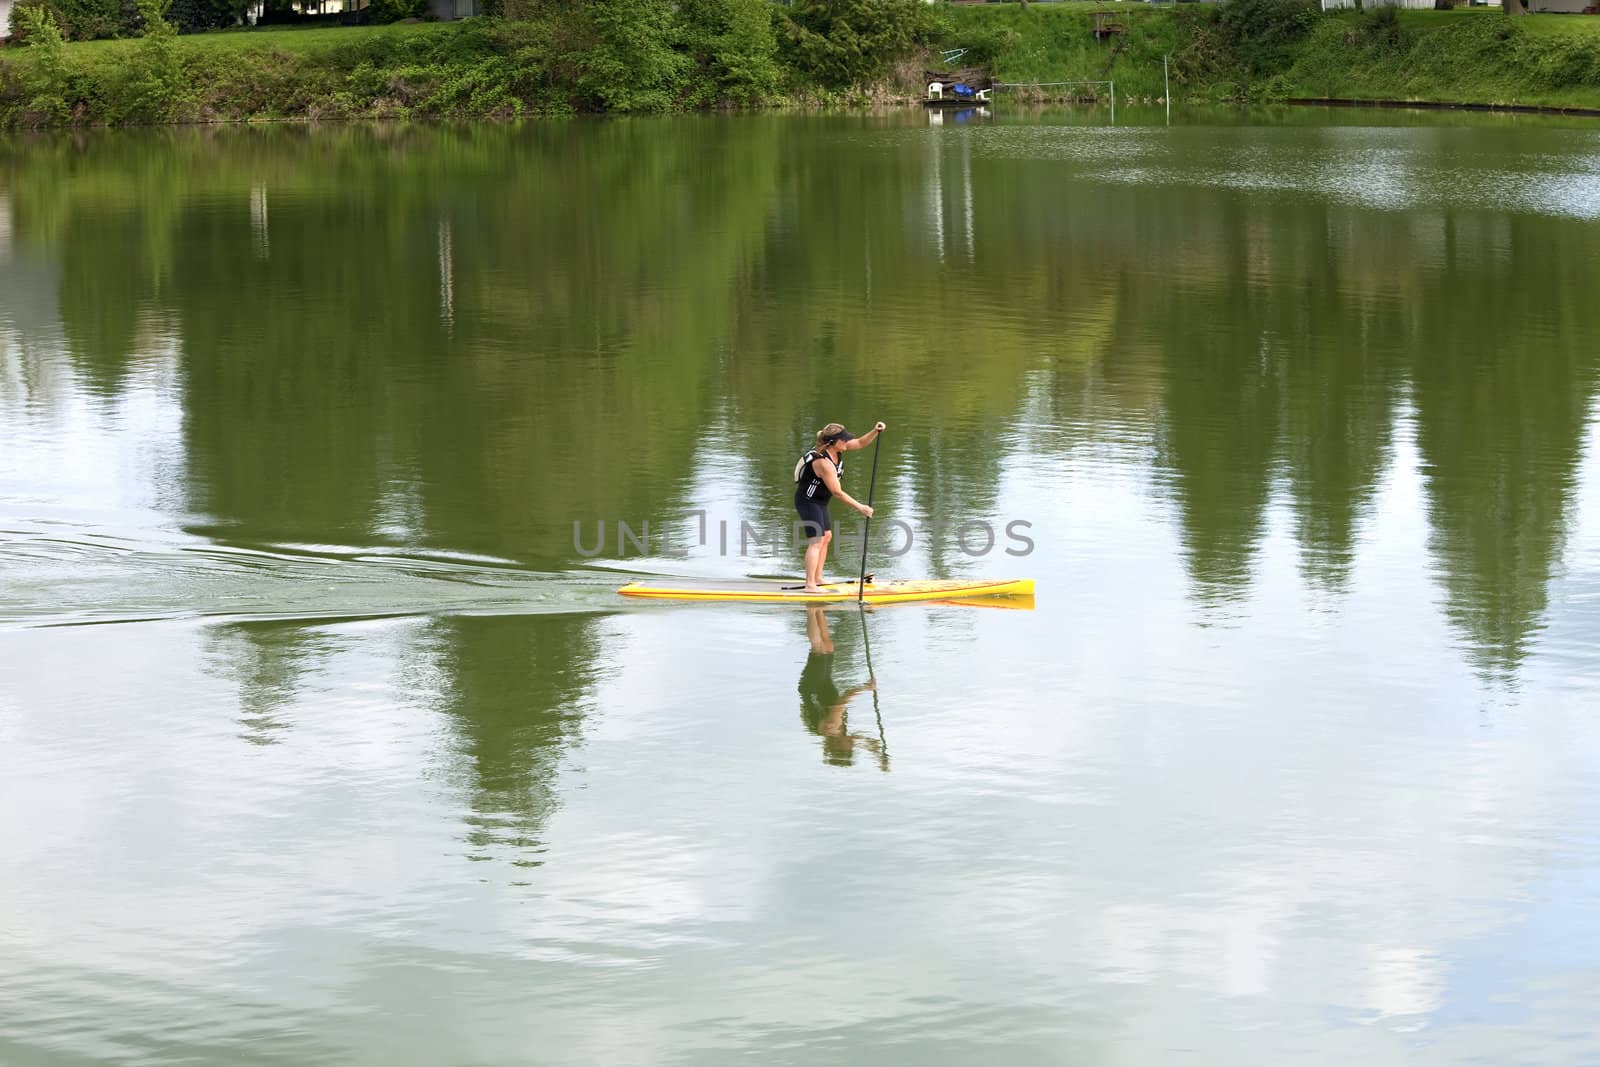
[816, 480]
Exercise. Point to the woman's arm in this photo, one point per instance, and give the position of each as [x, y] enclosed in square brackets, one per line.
[851, 694]
[864, 440]
[830, 478]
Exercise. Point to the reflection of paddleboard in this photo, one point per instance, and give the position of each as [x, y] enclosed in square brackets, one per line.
[875, 593]
[1009, 602]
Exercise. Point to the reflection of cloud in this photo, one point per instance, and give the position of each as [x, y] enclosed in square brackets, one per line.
[1104, 819]
[1371, 167]
[1404, 981]
[401, 511]
[30, 317]
[260, 233]
[1178, 838]
[123, 455]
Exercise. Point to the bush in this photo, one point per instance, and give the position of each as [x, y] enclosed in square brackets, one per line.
[149, 85]
[1561, 63]
[841, 43]
[1381, 28]
[45, 78]
[632, 63]
[87, 20]
[1262, 34]
[735, 46]
[1242, 42]
[20, 21]
[986, 44]
[75, 20]
[193, 16]
[383, 12]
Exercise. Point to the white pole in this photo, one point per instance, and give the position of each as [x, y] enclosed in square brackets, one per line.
[1166, 84]
[1113, 102]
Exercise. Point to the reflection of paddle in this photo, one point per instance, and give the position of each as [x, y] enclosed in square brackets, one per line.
[883, 743]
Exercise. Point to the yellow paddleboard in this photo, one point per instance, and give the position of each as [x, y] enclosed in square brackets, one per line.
[876, 592]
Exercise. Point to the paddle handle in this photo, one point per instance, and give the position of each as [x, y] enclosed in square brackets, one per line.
[866, 531]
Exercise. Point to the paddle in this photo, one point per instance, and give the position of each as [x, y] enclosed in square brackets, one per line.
[861, 590]
[791, 588]
[866, 530]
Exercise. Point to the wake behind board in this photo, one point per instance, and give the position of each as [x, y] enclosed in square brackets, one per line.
[893, 592]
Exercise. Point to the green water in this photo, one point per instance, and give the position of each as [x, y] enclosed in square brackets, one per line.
[325, 738]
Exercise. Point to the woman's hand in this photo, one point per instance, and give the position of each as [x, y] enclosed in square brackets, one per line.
[879, 428]
[865, 509]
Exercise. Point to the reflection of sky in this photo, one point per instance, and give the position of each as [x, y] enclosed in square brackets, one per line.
[69, 452]
[1297, 826]
[31, 340]
[1192, 841]
[1270, 835]
[1373, 167]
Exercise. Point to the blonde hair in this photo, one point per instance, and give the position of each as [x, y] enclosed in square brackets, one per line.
[833, 429]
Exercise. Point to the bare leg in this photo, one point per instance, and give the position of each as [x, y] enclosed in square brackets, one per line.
[817, 629]
[816, 557]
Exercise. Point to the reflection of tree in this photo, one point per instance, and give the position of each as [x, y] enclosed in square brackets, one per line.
[1502, 405]
[1223, 392]
[113, 256]
[566, 379]
[293, 363]
[1339, 418]
[99, 308]
[30, 320]
[467, 338]
[1340, 384]
[854, 316]
[589, 326]
[514, 689]
[267, 660]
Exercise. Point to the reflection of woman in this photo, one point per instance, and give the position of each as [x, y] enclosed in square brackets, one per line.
[822, 706]
[816, 481]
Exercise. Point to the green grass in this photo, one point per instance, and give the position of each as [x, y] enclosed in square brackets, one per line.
[308, 41]
[483, 67]
[457, 69]
[1467, 55]
[1056, 42]
[1557, 25]
[1563, 25]
[1464, 56]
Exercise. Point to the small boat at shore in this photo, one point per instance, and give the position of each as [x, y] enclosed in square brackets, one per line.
[968, 87]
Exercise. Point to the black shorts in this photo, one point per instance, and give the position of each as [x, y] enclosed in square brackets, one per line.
[818, 693]
[813, 516]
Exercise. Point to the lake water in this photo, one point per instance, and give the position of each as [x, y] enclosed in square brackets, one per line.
[325, 738]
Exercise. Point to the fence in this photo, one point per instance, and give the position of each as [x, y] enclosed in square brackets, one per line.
[1345, 5]
[1111, 91]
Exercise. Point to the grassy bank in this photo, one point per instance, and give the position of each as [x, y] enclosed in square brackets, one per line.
[309, 42]
[1466, 56]
[648, 55]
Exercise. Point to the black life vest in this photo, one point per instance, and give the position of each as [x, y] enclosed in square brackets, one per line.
[807, 485]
